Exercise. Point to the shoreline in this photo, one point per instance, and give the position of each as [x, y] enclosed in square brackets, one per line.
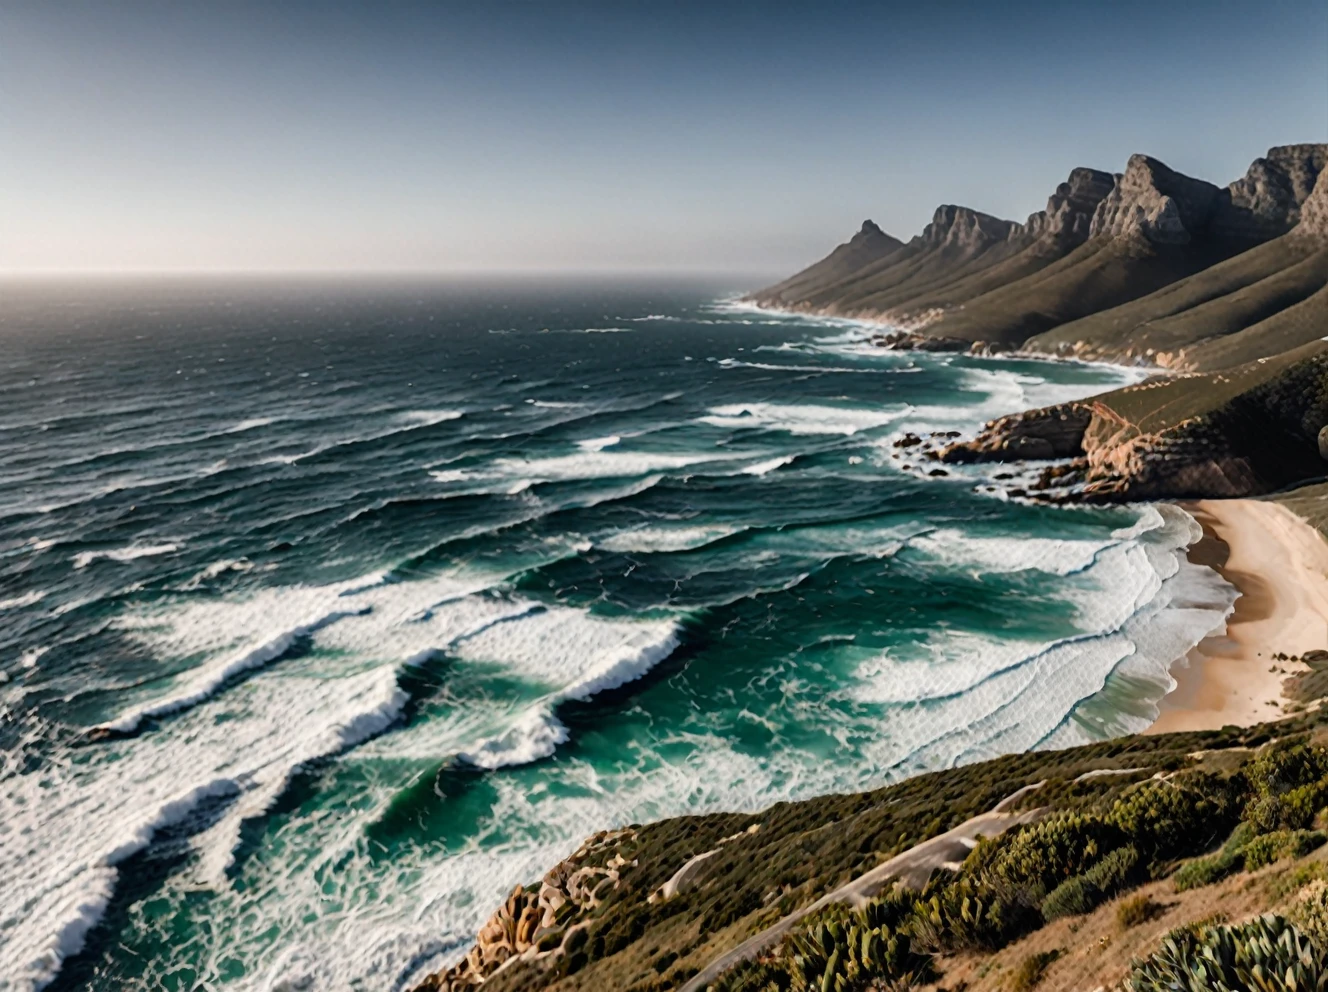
[1279, 565]
[872, 323]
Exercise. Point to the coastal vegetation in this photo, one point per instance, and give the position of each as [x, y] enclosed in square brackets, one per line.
[1111, 820]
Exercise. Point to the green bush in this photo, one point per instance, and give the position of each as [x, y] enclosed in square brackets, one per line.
[848, 957]
[972, 915]
[1084, 893]
[1165, 819]
[1041, 856]
[1073, 897]
[1268, 848]
[1215, 867]
[1290, 783]
[1267, 954]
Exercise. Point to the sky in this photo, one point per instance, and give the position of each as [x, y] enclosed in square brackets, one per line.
[561, 136]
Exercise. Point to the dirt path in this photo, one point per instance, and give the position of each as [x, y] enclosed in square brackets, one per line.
[912, 868]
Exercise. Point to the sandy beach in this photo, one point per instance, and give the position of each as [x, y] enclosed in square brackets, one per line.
[1280, 565]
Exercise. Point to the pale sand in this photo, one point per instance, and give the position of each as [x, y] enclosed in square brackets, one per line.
[1280, 565]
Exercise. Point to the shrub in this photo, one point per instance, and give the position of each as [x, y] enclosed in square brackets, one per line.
[1135, 910]
[839, 957]
[972, 915]
[754, 976]
[1164, 819]
[1040, 857]
[1215, 867]
[1073, 897]
[1290, 782]
[1031, 970]
[1084, 893]
[1268, 848]
[1267, 954]
[1310, 913]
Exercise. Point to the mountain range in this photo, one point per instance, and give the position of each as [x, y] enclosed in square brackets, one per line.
[1147, 265]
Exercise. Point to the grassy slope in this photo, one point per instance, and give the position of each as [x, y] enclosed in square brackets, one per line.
[918, 268]
[1097, 275]
[805, 849]
[1223, 300]
[868, 247]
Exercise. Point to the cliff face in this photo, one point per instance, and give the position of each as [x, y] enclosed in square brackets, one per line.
[1149, 265]
[1070, 210]
[967, 230]
[1245, 432]
[1156, 203]
[1266, 203]
[1312, 212]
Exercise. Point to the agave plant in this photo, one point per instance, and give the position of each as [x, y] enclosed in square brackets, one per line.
[838, 956]
[1267, 954]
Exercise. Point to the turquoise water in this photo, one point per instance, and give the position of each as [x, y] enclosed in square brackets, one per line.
[379, 597]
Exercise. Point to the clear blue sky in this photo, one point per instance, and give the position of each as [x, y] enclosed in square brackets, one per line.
[678, 136]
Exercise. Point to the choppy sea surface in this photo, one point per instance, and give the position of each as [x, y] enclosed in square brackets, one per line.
[330, 611]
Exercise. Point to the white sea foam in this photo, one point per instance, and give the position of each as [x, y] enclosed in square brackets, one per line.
[598, 443]
[802, 418]
[27, 599]
[979, 554]
[427, 418]
[1140, 606]
[251, 424]
[733, 363]
[113, 805]
[766, 467]
[649, 539]
[85, 558]
[587, 655]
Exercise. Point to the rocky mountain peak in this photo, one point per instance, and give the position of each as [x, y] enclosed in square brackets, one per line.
[1156, 203]
[966, 228]
[1070, 209]
[1313, 213]
[1266, 202]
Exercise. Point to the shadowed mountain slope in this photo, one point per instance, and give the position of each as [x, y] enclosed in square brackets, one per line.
[961, 254]
[868, 246]
[1156, 226]
[1267, 300]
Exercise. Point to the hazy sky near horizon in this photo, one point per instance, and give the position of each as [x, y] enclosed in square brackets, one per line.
[147, 134]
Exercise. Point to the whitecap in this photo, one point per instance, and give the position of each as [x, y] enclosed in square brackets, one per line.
[802, 418]
[646, 540]
[85, 558]
[766, 467]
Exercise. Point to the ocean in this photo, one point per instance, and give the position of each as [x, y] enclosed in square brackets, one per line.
[333, 609]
